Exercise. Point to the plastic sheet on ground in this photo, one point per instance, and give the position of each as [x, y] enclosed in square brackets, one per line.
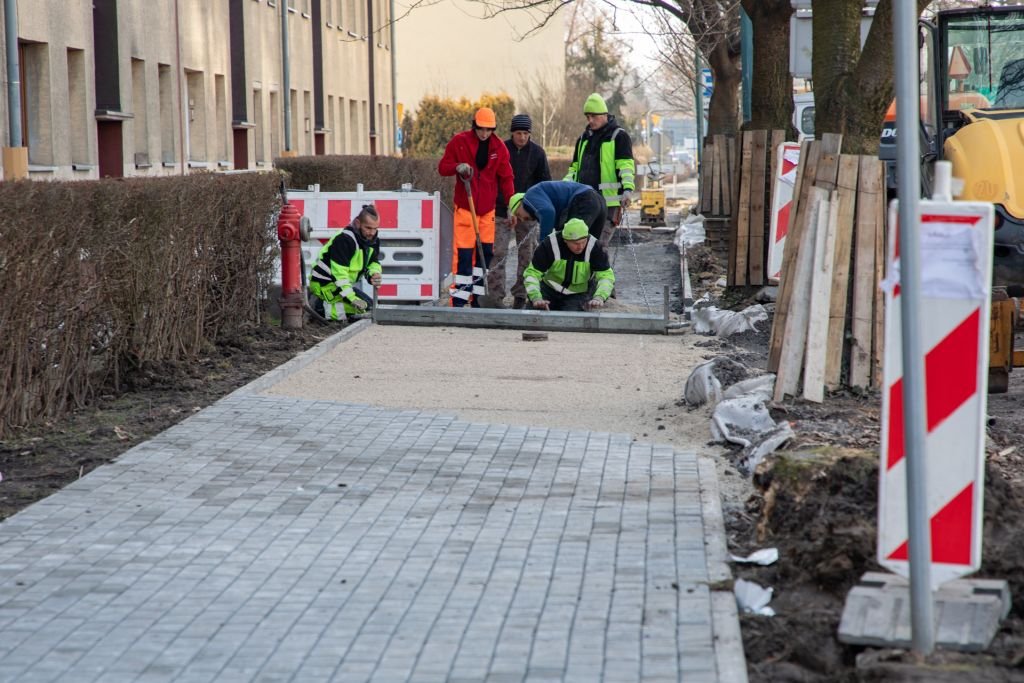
[763, 557]
[745, 421]
[702, 386]
[715, 321]
[762, 386]
[691, 231]
[753, 598]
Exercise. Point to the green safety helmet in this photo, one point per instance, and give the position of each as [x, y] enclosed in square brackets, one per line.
[515, 201]
[595, 105]
[575, 229]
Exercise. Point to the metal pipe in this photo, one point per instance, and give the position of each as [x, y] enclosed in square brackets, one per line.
[394, 77]
[13, 73]
[182, 95]
[371, 46]
[698, 105]
[286, 81]
[909, 181]
[746, 61]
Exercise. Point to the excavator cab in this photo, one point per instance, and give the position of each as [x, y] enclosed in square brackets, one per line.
[979, 104]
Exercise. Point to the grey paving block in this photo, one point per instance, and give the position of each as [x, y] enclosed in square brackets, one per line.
[267, 538]
[967, 612]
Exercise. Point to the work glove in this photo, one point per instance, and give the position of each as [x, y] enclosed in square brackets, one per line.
[541, 305]
[627, 197]
[464, 170]
[595, 304]
[375, 279]
[359, 304]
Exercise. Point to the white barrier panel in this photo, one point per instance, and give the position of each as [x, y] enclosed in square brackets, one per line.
[956, 276]
[783, 179]
[409, 235]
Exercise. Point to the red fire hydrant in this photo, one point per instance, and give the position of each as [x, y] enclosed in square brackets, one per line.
[291, 289]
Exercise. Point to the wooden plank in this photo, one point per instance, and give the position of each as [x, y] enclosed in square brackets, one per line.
[730, 184]
[878, 342]
[805, 172]
[787, 379]
[718, 207]
[820, 299]
[828, 171]
[831, 143]
[737, 274]
[758, 190]
[847, 194]
[862, 307]
[706, 164]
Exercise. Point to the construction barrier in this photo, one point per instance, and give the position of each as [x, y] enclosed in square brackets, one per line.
[956, 273]
[410, 236]
[787, 159]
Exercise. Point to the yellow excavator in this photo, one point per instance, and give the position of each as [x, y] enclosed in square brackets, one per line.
[972, 111]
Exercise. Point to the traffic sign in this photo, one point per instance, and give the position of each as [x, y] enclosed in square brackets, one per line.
[956, 271]
[707, 82]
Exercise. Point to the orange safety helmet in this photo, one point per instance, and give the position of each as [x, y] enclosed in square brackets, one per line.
[485, 118]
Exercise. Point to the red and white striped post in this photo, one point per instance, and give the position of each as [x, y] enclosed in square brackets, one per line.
[784, 180]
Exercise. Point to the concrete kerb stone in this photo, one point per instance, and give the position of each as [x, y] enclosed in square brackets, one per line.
[300, 361]
[729, 657]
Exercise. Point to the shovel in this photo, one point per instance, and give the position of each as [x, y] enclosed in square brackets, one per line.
[476, 231]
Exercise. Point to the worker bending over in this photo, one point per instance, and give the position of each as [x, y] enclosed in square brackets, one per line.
[569, 271]
[554, 202]
[352, 253]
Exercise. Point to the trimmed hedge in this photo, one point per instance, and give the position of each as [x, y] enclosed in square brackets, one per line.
[341, 173]
[100, 277]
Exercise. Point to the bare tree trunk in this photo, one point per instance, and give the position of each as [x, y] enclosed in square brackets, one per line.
[772, 87]
[723, 110]
[852, 89]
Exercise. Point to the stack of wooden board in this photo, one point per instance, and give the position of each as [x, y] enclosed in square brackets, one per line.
[748, 243]
[717, 171]
[828, 325]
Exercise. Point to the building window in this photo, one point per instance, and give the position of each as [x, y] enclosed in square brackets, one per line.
[220, 125]
[364, 129]
[35, 79]
[258, 129]
[195, 115]
[340, 128]
[340, 17]
[140, 122]
[331, 147]
[352, 16]
[353, 127]
[275, 125]
[168, 120]
[307, 123]
[78, 110]
[294, 121]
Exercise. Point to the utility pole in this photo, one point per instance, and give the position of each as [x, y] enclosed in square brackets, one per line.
[15, 157]
[746, 61]
[286, 82]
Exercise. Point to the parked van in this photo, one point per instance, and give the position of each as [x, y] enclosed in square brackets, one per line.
[803, 114]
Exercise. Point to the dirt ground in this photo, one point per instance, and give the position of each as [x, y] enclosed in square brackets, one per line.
[816, 501]
[36, 462]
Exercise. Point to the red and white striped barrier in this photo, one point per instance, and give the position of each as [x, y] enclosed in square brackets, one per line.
[783, 179]
[956, 276]
[410, 239]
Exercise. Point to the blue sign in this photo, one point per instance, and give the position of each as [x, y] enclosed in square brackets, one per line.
[707, 83]
[398, 138]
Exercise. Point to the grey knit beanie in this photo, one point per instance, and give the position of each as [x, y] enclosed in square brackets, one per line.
[521, 122]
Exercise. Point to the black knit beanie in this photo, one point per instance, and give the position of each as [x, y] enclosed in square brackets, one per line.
[521, 122]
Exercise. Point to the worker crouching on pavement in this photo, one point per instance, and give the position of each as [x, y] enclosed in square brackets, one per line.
[569, 271]
[481, 159]
[352, 253]
[554, 202]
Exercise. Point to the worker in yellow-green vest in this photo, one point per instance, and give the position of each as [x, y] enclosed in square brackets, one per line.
[603, 159]
[352, 253]
[569, 271]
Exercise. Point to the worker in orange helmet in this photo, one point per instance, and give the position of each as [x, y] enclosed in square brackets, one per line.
[483, 159]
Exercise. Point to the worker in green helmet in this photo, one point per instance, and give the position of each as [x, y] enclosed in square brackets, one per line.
[603, 159]
[352, 253]
[569, 271]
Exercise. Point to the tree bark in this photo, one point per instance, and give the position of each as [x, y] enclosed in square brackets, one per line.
[723, 109]
[852, 89]
[772, 86]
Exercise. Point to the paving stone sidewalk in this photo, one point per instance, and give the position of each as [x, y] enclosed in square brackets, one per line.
[274, 539]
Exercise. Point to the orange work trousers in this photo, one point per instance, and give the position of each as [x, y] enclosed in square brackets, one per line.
[468, 280]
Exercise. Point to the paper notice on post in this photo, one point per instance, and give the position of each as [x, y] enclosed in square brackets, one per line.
[951, 263]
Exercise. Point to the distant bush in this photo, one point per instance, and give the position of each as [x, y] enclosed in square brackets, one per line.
[98, 278]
